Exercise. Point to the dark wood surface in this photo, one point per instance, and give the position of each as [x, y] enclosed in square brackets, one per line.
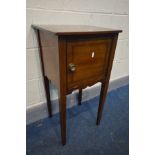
[75, 29]
[105, 83]
[74, 57]
[50, 56]
[63, 87]
[90, 58]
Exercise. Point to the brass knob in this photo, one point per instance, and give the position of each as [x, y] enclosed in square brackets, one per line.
[72, 67]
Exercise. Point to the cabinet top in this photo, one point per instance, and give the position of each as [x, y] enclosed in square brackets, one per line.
[75, 29]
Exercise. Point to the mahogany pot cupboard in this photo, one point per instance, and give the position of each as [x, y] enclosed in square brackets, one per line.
[74, 57]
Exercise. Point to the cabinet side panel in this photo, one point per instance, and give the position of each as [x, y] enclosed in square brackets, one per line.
[49, 45]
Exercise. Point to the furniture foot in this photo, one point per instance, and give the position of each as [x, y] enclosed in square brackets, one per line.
[47, 90]
[80, 97]
[103, 93]
[62, 108]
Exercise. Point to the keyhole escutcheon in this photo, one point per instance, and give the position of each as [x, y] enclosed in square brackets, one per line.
[93, 54]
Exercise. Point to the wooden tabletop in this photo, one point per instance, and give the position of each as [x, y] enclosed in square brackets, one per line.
[75, 29]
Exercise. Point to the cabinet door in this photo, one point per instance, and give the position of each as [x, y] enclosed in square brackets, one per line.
[87, 61]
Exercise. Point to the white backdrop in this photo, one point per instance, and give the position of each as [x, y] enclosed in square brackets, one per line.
[103, 13]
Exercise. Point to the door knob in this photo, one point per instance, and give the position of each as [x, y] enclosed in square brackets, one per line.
[72, 67]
